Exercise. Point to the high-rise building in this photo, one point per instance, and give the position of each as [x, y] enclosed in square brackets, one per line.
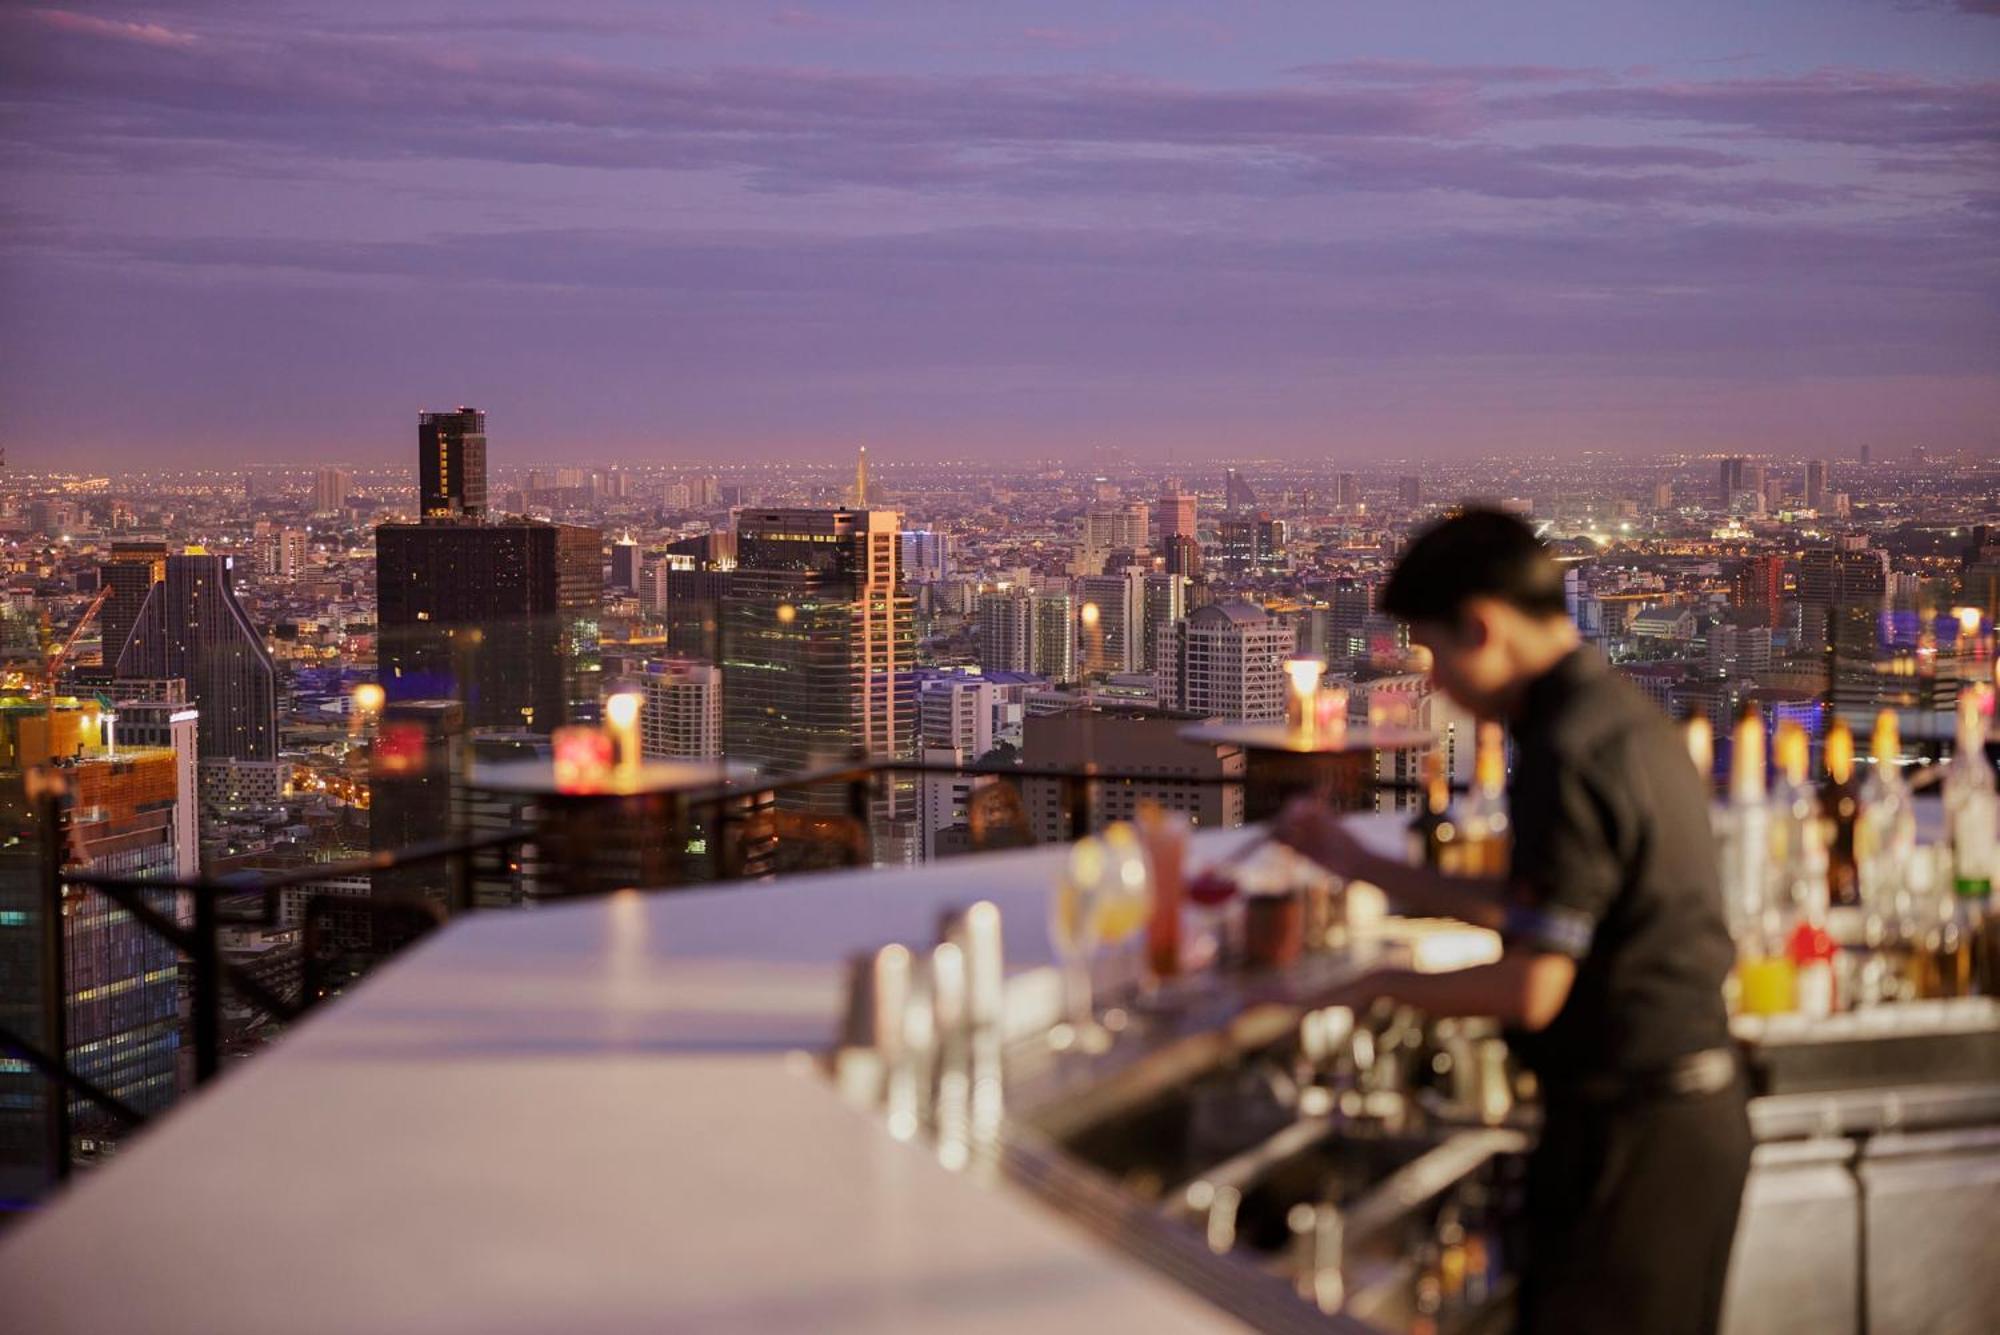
[451, 464]
[158, 715]
[818, 643]
[193, 627]
[1007, 630]
[958, 712]
[625, 565]
[1410, 492]
[1173, 513]
[502, 617]
[1236, 493]
[1730, 479]
[1816, 484]
[1347, 492]
[1350, 603]
[120, 981]
[682, 716]
[1055, 648]
[131, 573]
[1183, 556]
[330, 487]
[1111, 617]
[1250, 543]
[1758, 586]
[1113, 528]
[1165, 601]
[926, 555]
[1226, 660]
[277, 552]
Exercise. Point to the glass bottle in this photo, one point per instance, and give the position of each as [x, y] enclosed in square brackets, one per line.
[1433, 833]
[1484, 834]
[1840, 807]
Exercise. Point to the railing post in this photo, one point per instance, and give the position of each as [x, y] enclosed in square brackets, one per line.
[55, 981]
[860, 794]
[207, 998]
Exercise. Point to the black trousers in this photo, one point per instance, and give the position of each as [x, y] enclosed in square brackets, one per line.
[1631, 1213]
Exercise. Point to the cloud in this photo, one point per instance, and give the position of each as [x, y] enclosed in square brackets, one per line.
[146, 34]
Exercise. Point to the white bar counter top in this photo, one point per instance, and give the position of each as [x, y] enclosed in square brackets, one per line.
[587, 1118]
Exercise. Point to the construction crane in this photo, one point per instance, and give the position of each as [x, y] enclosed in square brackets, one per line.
[56, 659]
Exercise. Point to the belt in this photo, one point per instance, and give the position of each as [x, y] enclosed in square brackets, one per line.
[1709, 1071]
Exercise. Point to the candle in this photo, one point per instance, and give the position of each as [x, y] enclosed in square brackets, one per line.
[621, 722]
[1300, 714]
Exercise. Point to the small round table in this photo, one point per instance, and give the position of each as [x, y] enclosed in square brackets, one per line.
[630, 828]
[1335, 765]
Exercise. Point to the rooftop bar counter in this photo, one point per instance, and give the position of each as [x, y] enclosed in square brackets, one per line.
[616, 1115]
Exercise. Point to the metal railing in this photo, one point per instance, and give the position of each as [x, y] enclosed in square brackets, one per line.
[726, 810]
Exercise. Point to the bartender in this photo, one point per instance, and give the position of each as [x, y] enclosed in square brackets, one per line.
[1615, 948]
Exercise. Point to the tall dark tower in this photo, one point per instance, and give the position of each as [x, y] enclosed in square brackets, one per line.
[451, 464]
[131, 573]
[501, 617]
[193, 627]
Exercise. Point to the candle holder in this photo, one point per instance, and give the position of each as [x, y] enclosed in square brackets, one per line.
[583, 758]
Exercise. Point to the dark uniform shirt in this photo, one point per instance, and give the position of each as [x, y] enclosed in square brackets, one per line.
[1615, 866]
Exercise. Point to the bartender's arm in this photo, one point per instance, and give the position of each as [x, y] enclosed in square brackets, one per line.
[1313, 829]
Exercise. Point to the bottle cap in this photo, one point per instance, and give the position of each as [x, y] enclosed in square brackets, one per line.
[1746, 758]
[1888, 743]
[1788, 750]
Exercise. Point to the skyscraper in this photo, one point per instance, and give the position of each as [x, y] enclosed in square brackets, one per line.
[1007, 630]
[1410, 492]
[131, 573]
[682, 716]
[1347, 492]
[192, 627]
[1055, 636]
[1183, 555]
[1730, 479]
[625, 561]
[1815, 484]
[818, 643]
[1226, 661]
[1165, 602]
[1112, 617]
[1250, 543]
[926, 554]
[330, 491]
[1236, 493]
[120, 981]
[500, 616]
[1173, 513]
[451, 464]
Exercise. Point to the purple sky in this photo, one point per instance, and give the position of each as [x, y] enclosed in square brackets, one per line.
[270, 230]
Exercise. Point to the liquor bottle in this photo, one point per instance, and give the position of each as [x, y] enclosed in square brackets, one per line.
[1484, 836]
[1886, 832]
[1808, 944]
[1764, 974]
[1972, 812]
[1794, 806]
[1433, 832]
[1840, 807]
[1701, 750]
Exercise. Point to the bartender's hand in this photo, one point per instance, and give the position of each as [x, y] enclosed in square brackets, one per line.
[1313, 829]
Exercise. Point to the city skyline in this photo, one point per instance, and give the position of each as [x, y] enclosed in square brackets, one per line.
[704, 231]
